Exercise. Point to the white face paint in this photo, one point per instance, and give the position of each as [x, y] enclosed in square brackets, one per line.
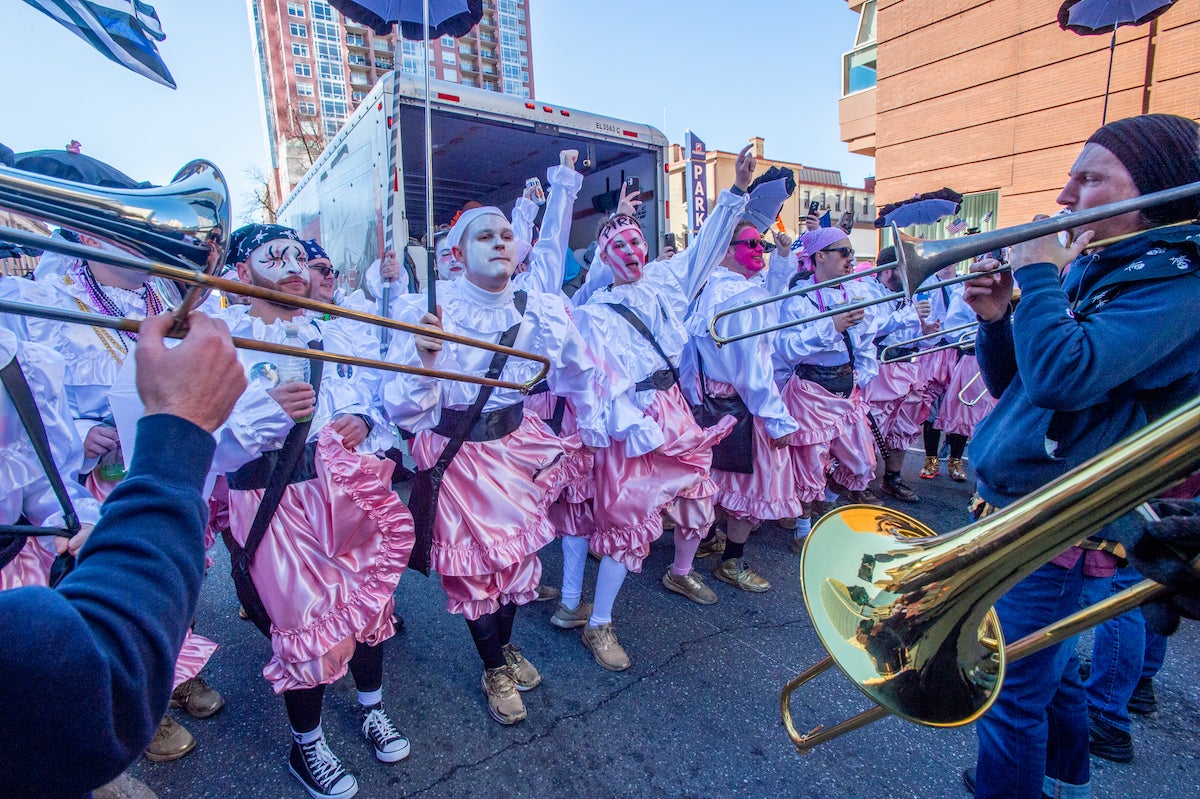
[448, 268]
[281, 264]
[489, 252]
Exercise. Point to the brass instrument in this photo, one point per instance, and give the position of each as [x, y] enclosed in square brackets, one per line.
[965, 339]
[919, 260]
[180, 233]
[906, 613]
[962, 391]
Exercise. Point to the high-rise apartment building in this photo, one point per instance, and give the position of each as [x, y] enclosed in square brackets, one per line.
[316, 66]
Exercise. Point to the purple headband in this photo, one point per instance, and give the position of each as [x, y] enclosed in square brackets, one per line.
[816, 240]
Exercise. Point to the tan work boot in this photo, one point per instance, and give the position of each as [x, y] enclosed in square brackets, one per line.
[735, 572]
[525, 676]
[171, 742]
[691, 586]
[504, 702]
[197, 698]
[566, 619]
[714, 544]
[931, 468]
[955, 467]
[605, 647]
[545, 593]
[124, 787]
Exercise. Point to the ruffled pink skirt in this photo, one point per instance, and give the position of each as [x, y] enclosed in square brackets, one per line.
[632, 493]
[31, 566]
[770, 491]
[492, 508]
[899, 403]
[936, 369]
[328, 565]
[831, 427]
[956, 416]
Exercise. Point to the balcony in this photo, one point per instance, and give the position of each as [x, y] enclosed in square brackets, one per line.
[384, 63]
[467, 66]
[359, 79]
[489, 54]
[354, 40]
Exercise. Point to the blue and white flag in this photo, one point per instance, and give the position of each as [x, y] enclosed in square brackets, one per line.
[120, 29]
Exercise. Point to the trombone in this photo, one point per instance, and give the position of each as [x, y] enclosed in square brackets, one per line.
[906, 613]
[965, 340]
[181, 230]
[919, 260]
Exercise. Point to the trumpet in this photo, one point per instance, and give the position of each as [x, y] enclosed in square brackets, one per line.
[180, 232]
[919, 260]
[906, 613]
[965, 340]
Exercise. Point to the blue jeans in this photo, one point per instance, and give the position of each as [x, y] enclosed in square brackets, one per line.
[1117, 655]
[1034, 739]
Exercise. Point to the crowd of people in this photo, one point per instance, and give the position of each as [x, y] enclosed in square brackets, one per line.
[650, 419]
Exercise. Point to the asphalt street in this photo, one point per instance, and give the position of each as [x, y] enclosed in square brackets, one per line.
[697, 715]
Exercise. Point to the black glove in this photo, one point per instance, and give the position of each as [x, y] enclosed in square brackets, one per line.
[1164, 551]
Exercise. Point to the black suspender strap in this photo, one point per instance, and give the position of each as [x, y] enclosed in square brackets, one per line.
[635, 321]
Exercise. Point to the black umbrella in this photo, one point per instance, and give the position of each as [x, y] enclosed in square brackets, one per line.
[1097, 17]
[419, 20]
[920, 209]
[75, 167]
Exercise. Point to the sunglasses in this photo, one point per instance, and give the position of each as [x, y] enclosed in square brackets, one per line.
[755, 244]
[326, 271]
[847, 252]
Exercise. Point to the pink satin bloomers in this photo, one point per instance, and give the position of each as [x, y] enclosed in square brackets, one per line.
[898, 402]
[956, 415]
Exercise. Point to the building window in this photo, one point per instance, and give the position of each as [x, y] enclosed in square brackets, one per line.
[300, 50]
[354, 40]
[303, 70]
[326, 31]
[321, 10]
[298, 30]
[450, 75]
[295, 10]
[448, 57]
[357, 97]
[304, 89]
[384, 63]
[447, 41]
[858, 65]
[306, 108]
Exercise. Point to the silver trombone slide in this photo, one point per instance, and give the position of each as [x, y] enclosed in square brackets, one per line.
[965, 339]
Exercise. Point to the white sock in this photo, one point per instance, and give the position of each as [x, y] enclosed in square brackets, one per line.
[608, 583]
[307, 737]
[371, 698]
[803, 527]
[575, 549]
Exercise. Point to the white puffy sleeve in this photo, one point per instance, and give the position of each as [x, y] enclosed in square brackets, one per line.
[413, 402]
[780, 270]
[574, 371]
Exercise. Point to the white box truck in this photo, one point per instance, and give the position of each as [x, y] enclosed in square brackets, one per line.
[485, 146]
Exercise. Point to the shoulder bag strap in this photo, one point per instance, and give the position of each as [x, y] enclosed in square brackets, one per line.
[22, 398]
[635, 321]
[289, 457]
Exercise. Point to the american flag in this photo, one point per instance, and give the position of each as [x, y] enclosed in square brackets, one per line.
[957, 226]
[987, 218]
[120, 29]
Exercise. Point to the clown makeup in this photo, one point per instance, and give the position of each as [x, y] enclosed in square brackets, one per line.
[626, 253]
[490, 252]
[280, 262]
[748, 250]
[447, 267]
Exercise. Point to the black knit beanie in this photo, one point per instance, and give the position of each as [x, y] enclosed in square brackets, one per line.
[1160, 151]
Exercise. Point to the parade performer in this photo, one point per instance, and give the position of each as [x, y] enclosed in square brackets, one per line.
[897, 394]
[491, 504]
[937, 368]
[820, 365]
[738, 376]
[663, 464]
[94, 356]
[1081, 363]
[335, 544]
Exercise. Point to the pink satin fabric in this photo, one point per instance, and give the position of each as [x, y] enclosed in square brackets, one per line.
[31, 566]
[957, 417]
[492, 506]
[328, 564]
[936, 369]
[691, 517]
[830, 427]
[632, 493]
[481, 594]
[192, 657]
[898, 402]
[771, 491]
[99, 488]
[822, 416]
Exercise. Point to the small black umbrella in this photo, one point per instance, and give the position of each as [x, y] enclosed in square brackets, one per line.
[419, 20]
[920, 209]
[74, 166]
[1097, 17]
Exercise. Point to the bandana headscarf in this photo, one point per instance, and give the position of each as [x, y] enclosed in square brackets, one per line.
[814, 241]
[245, 239]
[314, 250]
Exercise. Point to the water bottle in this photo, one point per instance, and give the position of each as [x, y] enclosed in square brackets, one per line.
[292, 369]
[111, 466]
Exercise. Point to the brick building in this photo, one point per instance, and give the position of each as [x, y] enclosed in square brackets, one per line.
[316, 66]
[993, 99]
[812, 184]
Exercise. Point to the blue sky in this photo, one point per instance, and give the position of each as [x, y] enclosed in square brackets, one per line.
[770, 69]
